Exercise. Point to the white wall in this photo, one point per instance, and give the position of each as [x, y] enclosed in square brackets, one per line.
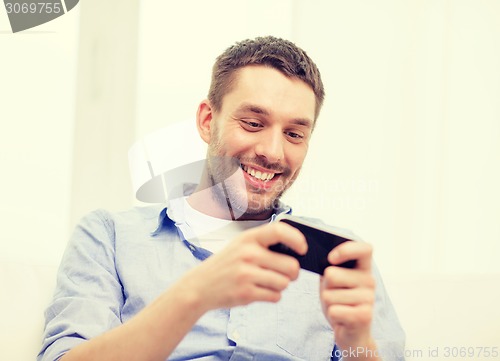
[37, 111]
[412, 112]
[105, 106]
[178, 44]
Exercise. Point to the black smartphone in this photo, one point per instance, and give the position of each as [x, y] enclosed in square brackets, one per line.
[320, 241]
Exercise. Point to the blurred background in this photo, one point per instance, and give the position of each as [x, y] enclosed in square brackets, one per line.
[406, 152]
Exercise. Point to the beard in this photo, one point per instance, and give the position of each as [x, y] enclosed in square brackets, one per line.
[230, 189]
[227, 184]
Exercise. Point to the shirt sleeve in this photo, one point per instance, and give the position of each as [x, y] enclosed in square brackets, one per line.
[88, 298]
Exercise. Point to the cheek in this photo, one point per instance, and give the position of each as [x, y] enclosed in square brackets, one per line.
[238, 142]
[296, 157]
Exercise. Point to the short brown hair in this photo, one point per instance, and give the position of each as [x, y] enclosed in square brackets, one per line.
[283, 55]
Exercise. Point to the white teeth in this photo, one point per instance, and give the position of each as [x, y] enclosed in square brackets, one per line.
[258, 174]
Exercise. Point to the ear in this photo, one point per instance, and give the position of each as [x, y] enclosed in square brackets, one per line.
[204, 117]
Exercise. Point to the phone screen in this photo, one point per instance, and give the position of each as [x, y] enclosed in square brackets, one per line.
[319, 242]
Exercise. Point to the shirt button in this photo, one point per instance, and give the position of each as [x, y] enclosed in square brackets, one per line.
[236, 336]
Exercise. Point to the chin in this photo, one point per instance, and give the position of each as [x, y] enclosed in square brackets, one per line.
[261, 205]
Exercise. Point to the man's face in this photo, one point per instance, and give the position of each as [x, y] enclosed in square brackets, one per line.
[265, 124]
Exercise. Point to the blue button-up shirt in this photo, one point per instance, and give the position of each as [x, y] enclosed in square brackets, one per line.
[116, 264]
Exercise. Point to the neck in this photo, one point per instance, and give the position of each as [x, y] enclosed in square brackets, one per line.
[203, 201]
[215, 202]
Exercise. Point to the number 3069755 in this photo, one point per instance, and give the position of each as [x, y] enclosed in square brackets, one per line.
[471, 352]
[33, 8]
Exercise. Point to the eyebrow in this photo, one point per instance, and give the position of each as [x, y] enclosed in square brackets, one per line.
[253, 108]
[248, 107]
[302, 121]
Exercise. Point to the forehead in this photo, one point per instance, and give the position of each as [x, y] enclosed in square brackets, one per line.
[270, 89]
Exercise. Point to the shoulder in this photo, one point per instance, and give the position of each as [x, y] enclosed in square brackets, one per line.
[146, 213]
[135, 213]
[136, 217]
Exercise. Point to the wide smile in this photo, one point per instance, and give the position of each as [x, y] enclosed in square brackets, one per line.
[258, 177]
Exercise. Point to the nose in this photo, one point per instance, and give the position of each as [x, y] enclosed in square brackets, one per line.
[270, 145]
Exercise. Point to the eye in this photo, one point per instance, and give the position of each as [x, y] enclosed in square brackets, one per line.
[251, 125]
[295, 137]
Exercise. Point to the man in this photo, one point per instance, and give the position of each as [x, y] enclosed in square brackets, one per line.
[200, 283]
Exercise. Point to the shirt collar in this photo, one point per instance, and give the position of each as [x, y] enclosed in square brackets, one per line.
[170, 215]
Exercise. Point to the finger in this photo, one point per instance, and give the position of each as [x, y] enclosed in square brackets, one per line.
[271, 280]
[359, 251]
[280, 232]
[350, 315]
[284, 264]
[256, 284]
[259, 255]
[256, 294]
[338, 277]
[348, 297]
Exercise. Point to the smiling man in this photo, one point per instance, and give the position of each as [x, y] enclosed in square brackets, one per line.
[265, 124]
[195, 279]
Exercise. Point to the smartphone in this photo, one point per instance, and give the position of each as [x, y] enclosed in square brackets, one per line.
[320, 241]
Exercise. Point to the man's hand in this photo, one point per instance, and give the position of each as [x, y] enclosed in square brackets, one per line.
[246, 270]
[348, 295]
